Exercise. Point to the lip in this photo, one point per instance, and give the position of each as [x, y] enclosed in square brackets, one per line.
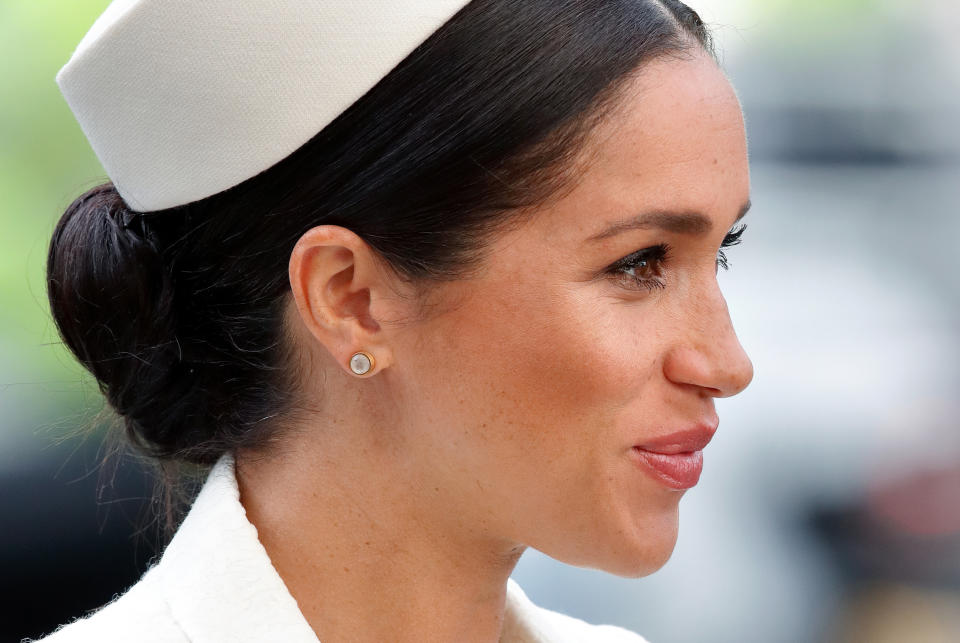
[676, 460]
[687, 441]
[678, 471]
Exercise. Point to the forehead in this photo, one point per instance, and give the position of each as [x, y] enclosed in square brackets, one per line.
[675, 141]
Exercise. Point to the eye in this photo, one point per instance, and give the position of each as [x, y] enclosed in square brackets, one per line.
[732, 239]
[642, 270]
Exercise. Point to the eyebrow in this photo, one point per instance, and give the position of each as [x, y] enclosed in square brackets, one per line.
[689, 223]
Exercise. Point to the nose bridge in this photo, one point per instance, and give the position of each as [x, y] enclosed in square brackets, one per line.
[708, 352]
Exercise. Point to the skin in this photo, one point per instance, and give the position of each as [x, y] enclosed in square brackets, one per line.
[505, 417]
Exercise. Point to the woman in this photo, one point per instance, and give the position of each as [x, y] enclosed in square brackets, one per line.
[474, 310]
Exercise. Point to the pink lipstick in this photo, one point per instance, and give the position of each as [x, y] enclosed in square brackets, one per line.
[677, 471]
[676, 460]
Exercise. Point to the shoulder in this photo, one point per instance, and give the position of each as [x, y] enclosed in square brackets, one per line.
[139, 614]
[526, 621]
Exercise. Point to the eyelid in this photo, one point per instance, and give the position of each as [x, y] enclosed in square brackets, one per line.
[657, 253]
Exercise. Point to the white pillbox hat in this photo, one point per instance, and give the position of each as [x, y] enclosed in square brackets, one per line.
[182, 99]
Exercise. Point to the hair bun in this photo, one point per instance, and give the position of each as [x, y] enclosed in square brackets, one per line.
[113, 301]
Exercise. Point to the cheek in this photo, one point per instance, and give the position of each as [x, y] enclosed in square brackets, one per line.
[555, 371]
[533, 419]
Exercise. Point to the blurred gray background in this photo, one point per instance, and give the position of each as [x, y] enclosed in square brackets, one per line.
[829, 506]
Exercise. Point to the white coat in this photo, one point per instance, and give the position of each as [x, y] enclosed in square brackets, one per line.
[215, 584]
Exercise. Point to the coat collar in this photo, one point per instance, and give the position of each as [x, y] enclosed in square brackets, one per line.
[221, 585]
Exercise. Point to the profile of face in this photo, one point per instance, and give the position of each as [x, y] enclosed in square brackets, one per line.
[511, 414]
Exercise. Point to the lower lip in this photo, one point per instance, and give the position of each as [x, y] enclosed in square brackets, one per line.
[677, 471]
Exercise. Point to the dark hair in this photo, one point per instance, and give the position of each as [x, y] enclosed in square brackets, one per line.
[177, 313]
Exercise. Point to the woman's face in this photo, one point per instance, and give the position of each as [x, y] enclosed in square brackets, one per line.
[543, 373]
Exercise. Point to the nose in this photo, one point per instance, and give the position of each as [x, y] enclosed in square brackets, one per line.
[706, 352]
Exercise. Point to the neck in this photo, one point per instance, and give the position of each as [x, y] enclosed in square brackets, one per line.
[367, 550]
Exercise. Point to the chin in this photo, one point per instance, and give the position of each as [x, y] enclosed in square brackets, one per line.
[647, 550]
[633, 552]
[642, 565]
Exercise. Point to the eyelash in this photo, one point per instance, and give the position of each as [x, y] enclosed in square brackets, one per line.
[658, 256]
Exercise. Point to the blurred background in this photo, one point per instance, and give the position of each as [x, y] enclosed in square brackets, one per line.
[829, 506]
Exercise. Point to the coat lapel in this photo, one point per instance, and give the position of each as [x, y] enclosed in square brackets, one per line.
[217, 577]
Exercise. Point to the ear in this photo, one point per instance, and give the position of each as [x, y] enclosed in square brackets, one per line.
[343, 295]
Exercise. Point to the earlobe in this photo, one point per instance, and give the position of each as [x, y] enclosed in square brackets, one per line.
[333, 279]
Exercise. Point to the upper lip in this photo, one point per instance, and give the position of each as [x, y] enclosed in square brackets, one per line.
[691, 439]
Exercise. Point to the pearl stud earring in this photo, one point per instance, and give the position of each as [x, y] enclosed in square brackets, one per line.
[362, 362]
